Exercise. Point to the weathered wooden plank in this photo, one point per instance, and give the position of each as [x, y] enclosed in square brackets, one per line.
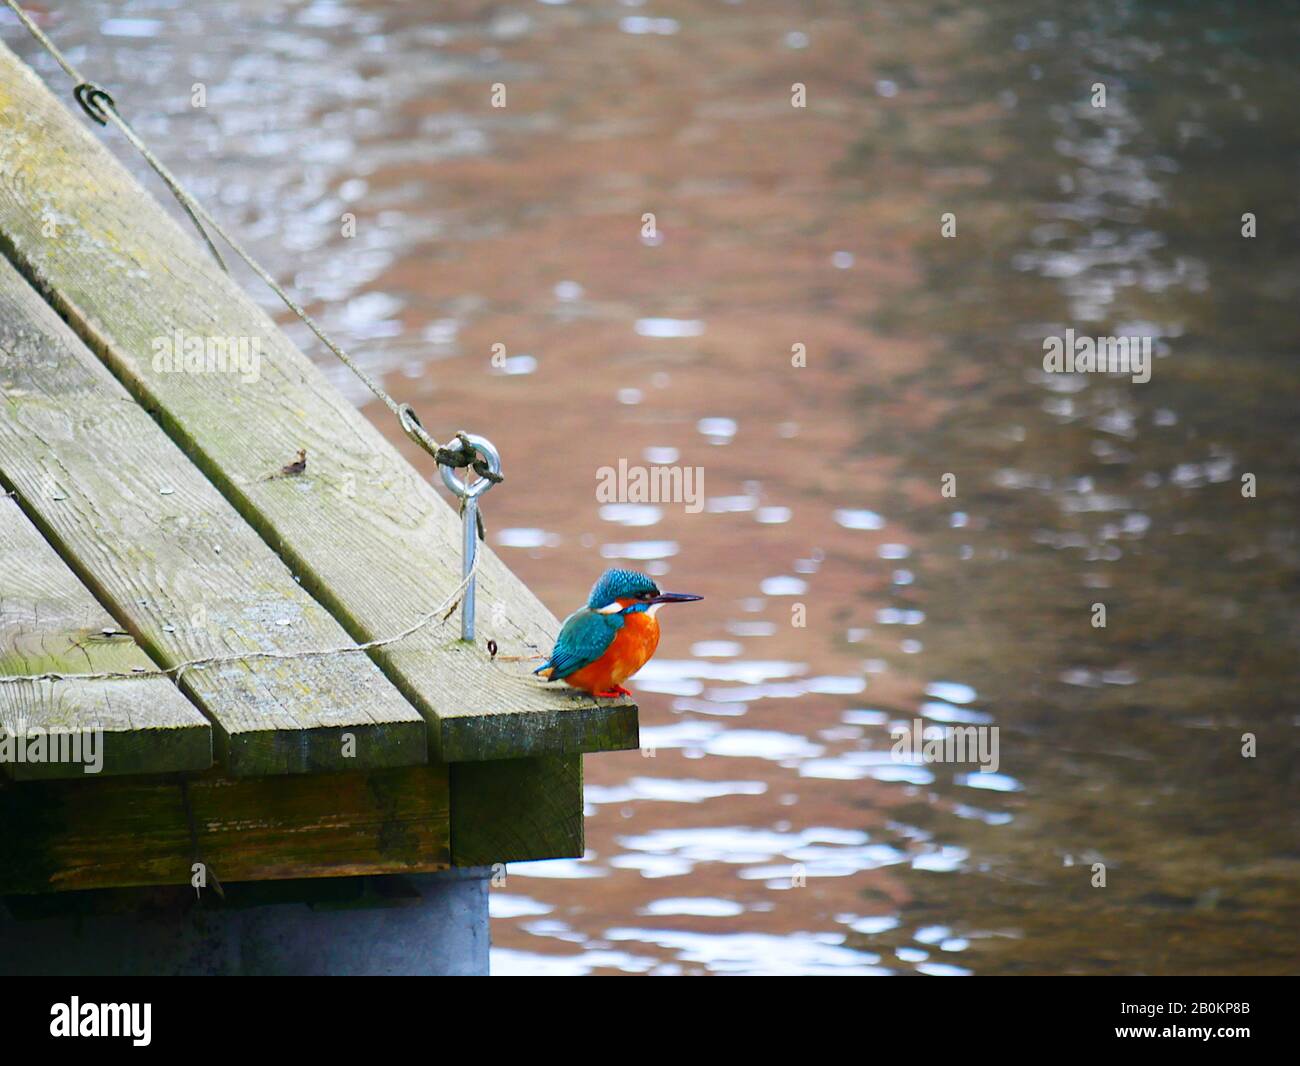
[49, 622]
[515, 810]
[163, 550]
[369, 537]
[129, 831]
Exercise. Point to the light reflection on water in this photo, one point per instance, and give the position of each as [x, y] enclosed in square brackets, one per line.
[767, 826]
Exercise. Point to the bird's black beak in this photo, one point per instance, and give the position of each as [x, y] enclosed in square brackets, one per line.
[675, 597]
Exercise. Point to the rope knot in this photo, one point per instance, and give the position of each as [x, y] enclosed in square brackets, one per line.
[463, 452]
[468, 453]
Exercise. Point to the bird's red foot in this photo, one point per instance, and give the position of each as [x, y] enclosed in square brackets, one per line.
[614, 693]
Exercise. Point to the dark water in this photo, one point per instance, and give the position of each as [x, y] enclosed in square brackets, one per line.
[767, 828]
[1117, 221]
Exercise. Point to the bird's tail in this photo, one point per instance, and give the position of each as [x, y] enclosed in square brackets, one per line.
[547, 667]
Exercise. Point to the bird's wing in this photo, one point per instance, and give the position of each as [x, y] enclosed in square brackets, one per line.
[583, 639]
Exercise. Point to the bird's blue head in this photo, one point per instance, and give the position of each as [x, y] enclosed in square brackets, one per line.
[614, 586]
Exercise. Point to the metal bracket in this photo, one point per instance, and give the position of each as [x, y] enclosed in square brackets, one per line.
[468, 494]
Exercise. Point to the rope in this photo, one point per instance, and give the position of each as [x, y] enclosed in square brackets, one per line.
[101, 107]
[443, 611]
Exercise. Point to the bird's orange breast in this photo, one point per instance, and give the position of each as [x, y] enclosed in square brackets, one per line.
[630, 649]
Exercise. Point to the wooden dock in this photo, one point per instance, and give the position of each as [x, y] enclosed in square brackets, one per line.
[144, 526]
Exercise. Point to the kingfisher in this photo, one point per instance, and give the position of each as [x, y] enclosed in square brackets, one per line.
[604, 643]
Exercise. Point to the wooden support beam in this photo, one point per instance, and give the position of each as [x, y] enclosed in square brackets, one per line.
[368, 536]
[184, 574]
[50, 623]
[516, 810]
[131, 831]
